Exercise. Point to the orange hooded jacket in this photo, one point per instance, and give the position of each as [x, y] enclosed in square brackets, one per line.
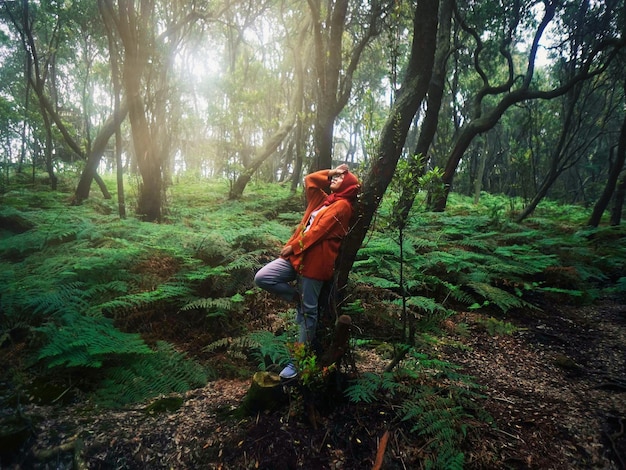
[315, 251]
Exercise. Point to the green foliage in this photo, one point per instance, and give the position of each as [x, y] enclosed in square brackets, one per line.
[163, 371]
[439, 404]
[264, 347]
[473, 256]
[497, 327]
[311, 374]
[620, 287]
[71, 270]
[143, 300]
[80, 341]
[217, 307]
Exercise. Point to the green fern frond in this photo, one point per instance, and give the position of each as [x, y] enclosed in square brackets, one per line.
[479, 243]
[556, 290]
[80, 341]
[377, 282]
[163, 372]
[452, 261]
[64, 297]
[269, 348]
[501, 298]
[441, 418]
[264, 346]
[364, 389]
[458, 294]
[425, 304]
[164, 293]
[245, 261]
[422, 244]
[497, 327]
[217, 307]
[203, 273]
[449, 460]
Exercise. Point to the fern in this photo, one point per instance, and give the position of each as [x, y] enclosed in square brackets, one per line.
[162, 372]
[364, 389]
[425, 304]
[497, 327]
[265, 347]
[80, 341]
[64, 297]
[129, 302]
[379, 282]
[432, 397]
[501, 298]
[203, 273]
[217, 307]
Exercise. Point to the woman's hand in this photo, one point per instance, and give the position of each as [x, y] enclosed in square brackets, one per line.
[286, 251]
[340, 170]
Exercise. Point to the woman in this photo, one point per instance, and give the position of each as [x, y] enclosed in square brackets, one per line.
[310, 254]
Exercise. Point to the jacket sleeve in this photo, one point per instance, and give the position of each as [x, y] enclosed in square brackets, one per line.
[315, 184]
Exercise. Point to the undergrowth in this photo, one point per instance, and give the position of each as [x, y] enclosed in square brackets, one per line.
[73, 276]
[431, 398]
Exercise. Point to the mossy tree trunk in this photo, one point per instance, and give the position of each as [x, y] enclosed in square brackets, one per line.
[409, 99]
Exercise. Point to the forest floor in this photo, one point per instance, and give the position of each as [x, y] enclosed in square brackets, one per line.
[556, 389]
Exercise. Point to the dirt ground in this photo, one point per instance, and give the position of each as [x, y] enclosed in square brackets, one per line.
[556, 389]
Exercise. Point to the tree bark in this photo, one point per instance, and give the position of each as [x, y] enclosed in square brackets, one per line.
[117, 106]
[433, 106]
[394, 132]
[340, 343]
[328, 52]
[334, 84]
[299, 154]
[613, 177]
[618, 205]
[480, 173]
[48, 150]
[270, 147]
[130, 26]
[265, 393]
[110, 126]
[484, 122]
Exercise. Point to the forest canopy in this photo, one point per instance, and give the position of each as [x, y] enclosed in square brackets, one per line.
[522, 99]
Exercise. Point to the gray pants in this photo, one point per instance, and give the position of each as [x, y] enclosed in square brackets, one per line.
[277, 277]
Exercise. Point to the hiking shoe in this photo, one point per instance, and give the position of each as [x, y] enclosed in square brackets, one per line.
[288, 372]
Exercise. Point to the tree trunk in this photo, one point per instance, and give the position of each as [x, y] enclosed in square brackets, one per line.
[130, 26]
[433, 107]
[48, 150]
[394, 132]
[614, 171]
[482, 162]
[340, 343]
[118, 107]
[299, 154]
[618, 204]
[583, 67]
[110, 126]
[484, 122]
[328, 58]
[265, 393]
[240, 184]
[334, 83]
[559, 156]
